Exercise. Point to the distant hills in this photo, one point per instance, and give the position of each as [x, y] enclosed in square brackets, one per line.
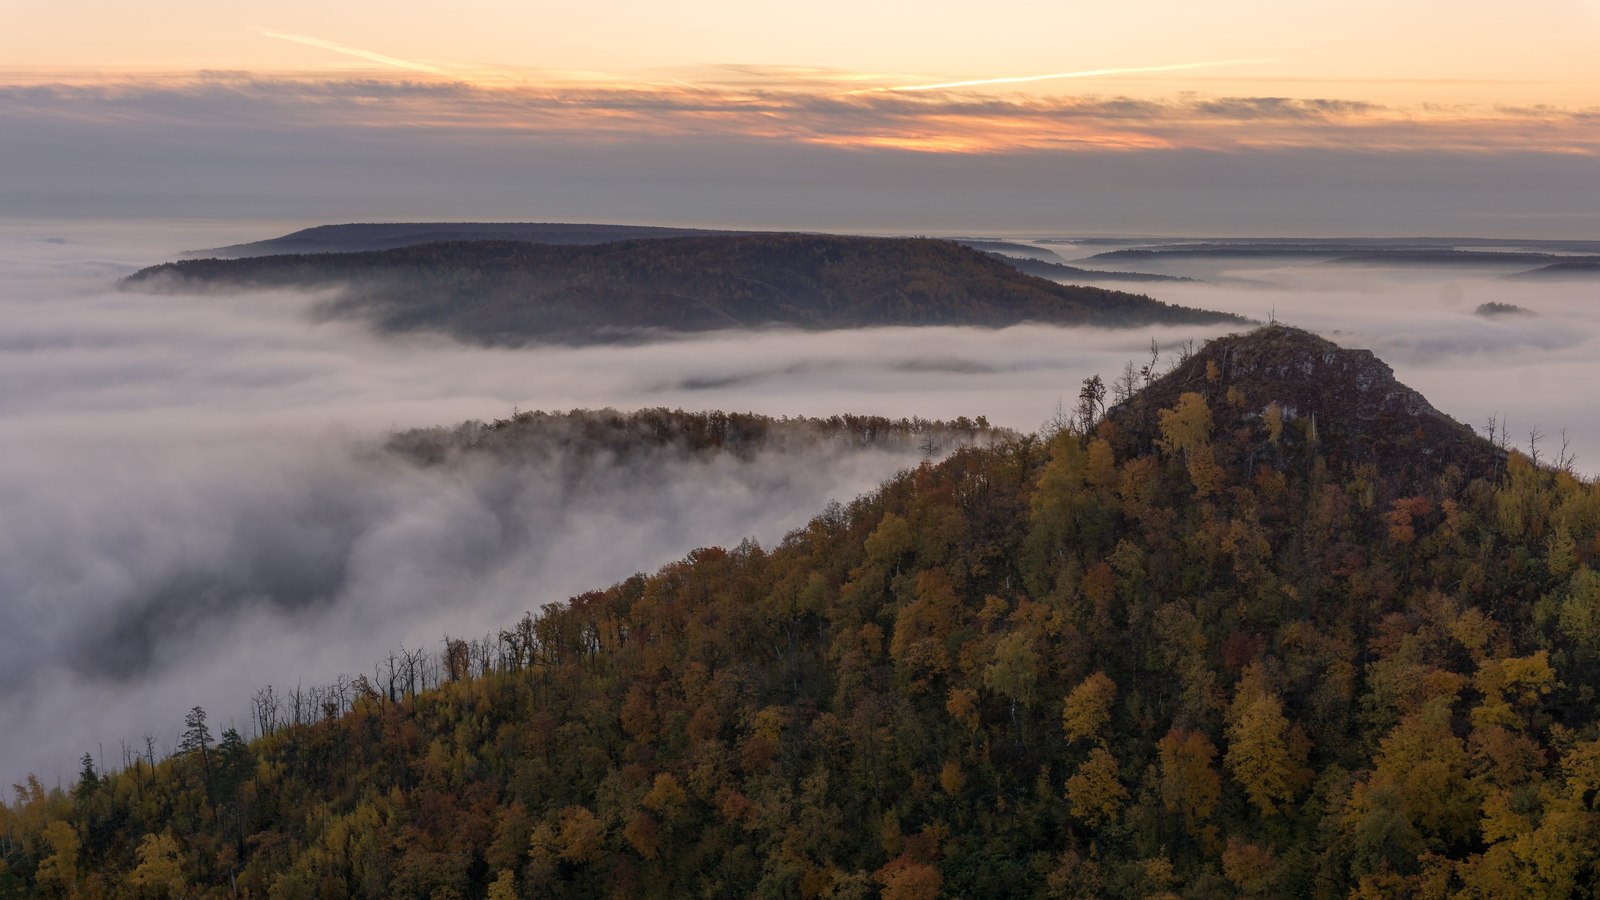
[1075, 275]
[362, 236]
[1556, 258]
[358, 236]
[511, 292]
[1566, 267]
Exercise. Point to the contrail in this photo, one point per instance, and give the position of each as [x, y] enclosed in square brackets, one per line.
[351, 51]
[1087, 73]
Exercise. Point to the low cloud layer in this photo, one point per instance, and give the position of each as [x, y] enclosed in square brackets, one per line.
[192, 504]
[935, 121]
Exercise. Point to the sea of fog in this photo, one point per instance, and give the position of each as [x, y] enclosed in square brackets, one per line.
[191, 505]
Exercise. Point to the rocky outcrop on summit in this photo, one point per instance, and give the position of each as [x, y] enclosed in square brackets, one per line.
[1289, 396]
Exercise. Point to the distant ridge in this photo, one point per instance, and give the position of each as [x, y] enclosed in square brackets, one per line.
[1570, 267]
[1076, 275]
[360, 236]
[510, 292]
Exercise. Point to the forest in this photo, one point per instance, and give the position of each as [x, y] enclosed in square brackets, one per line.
[510, 292]
[1263, 625]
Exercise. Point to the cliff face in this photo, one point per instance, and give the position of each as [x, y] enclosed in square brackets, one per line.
[1343, 405]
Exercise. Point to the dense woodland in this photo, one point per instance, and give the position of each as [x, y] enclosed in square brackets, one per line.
[1232, 636]
[508, 292]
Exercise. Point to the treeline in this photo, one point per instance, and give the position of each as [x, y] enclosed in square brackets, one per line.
[611, 434]
[507, 292]
[1218, 660]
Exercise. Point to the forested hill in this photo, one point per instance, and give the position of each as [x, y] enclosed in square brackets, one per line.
[503, 292]
[1227, 657]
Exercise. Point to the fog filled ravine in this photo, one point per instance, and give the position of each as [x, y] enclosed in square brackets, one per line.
[196, 502]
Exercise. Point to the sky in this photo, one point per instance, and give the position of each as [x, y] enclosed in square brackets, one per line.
[1164, 117]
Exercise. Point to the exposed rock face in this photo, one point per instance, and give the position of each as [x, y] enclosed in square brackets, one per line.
[1343, 405]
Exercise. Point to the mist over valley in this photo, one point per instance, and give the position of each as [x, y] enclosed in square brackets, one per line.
[198, 501]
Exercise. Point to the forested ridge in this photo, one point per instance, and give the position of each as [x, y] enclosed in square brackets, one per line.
[1236, 635]
[583, 435]
[509, 292]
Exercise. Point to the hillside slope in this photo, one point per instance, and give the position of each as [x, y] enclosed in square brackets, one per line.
[1219, 660]
[511, 292]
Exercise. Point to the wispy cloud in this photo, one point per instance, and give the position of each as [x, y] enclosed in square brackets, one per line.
[356, 52]
[1085, 73]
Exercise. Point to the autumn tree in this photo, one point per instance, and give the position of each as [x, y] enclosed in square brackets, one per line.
[1259, 752]
[1088, 707]
[1095, 793]
[1189, 784]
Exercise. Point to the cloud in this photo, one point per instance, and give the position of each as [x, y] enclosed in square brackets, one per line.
[1059, 76]
[946, 121]
[367, 55]
[233, 144]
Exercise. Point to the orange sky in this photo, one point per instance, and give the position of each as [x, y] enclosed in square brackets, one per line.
[1391, 51]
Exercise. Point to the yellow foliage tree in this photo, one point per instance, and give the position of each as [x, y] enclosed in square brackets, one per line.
[1094, 793]
[160, 871]
[1186, 426]
[1088, 707]
[504, 886]
[1259, 753]
[581, 836]
[61, 867]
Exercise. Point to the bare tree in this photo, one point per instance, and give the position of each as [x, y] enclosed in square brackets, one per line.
[267, 707]
[1123, 388]
[1566, 460]
[1060, 420]
[1091, 403]
[1185, 351]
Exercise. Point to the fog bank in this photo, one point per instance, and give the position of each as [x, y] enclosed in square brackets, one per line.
[193, 503]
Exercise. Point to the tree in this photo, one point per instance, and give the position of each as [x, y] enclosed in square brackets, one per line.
[195, 744]
[504, 886]
[1189, 784]
[196, 737]
[1185, 427]
[1014, 671]
[160, 870]
[1258, 744]
[1094, 793]
[60, 868]
[88, 779]
[1088, 708]
[1091, 403]
[581, 836]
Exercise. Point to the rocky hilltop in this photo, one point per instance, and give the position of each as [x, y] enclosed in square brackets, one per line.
[1342, 405]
